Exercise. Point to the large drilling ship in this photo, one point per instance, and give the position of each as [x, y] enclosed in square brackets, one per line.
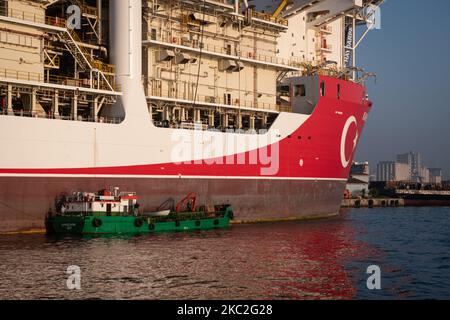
[258, 108]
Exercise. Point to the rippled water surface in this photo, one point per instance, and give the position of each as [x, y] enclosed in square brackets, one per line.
[296, 260]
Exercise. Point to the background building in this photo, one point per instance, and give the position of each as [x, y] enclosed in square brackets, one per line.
[414, 161]
[435, 175]
[402, 172]
[358, 183]
[386, 171]
[360, 171]
[408, 168]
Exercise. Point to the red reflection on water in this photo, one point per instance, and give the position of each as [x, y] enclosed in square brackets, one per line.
[319, 251]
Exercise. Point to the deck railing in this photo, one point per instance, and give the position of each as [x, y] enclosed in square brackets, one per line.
[245, 54]
[269, 18]
[50, 115]
[153, 90]
[53, 79]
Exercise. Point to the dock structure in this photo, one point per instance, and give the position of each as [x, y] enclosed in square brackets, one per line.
[373, 203]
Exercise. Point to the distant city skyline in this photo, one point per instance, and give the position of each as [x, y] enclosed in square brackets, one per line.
[407, 166]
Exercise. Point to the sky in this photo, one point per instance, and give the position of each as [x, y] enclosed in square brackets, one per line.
[411, 56]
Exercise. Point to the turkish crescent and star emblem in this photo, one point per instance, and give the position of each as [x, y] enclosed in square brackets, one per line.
[345, 134]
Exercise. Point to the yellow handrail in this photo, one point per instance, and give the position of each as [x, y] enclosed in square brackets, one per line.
[53, 79]
[270, 18]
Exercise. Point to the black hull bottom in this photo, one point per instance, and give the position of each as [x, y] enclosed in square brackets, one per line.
[24, 201]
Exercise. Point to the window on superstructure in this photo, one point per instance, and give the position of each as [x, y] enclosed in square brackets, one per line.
[338, 91]
[153, 34]
[300, 90]
[227, 98]
[228, 49]
[322, 88]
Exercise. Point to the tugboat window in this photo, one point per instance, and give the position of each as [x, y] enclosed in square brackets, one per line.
[300, 90]
[339, 91]
[322, 88]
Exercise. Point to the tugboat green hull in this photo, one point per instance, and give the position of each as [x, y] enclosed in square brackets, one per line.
[102, 224]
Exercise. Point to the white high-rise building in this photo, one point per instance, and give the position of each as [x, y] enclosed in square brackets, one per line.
[414, 161]
[435, 175]
[393, 171]
[386, 171]
[402, 172]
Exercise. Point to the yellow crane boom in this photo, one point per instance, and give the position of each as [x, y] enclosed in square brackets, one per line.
[280, 8]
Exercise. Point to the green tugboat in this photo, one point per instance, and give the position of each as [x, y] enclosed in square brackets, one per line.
[114, 212]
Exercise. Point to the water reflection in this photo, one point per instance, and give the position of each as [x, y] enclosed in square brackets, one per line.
[295, 260]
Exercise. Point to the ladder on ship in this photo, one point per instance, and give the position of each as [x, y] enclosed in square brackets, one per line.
[83, 57]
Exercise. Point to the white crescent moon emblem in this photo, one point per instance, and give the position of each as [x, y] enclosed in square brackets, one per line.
[345, 162]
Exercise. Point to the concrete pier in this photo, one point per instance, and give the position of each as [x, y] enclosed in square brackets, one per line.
[372, 203]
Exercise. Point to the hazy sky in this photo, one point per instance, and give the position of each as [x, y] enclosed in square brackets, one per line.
[411, 99]
[411, 56]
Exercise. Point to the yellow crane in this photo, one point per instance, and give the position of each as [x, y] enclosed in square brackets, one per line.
[281, 7]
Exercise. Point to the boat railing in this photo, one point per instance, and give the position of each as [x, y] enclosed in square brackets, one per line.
[35, 17]
[54, 116]
[270, 18]
[153, 90]
[220, 49]
[127, 193]
[54, 79]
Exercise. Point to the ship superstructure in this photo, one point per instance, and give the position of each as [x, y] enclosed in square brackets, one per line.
[49, 70]
[92, 93]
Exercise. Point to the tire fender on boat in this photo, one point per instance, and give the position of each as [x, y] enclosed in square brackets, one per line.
[97, 223]
[138, 222]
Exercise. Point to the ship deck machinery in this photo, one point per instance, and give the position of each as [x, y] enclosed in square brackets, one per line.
[296, 169]
[53, 67]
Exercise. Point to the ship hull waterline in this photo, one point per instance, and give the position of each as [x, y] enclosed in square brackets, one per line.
[24, 201]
